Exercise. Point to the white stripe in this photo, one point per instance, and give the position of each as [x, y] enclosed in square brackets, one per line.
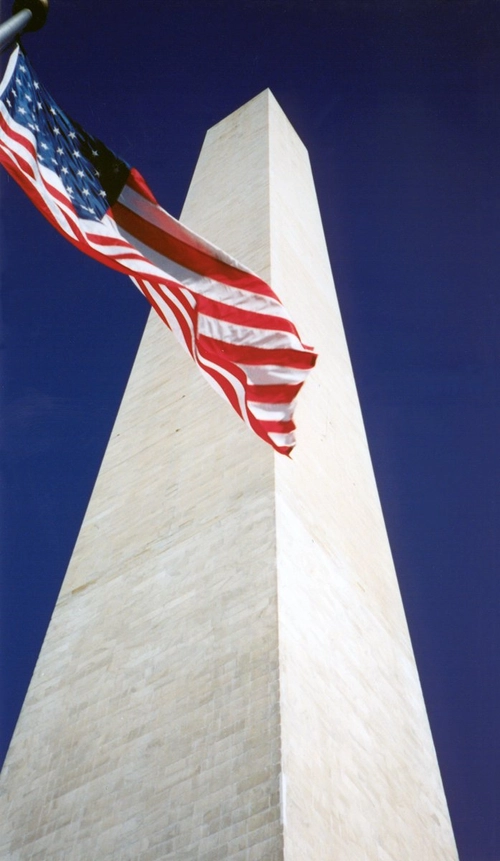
[127, 257]
[120, 253]
[203, 364]
[282, 439]
[13, 147]
[148, 263]
[21, 149]
[237, 387]
[156, 215]
[107, 226]
[266, 375]
[244, 300]
[271, 412]
[9, 71]
[14, 150]
[246, 336]
[141, 266]
[108, 229]
[51, 177]
[64, 216]
[232, 296]
[37, 182]
[170, 315]
[15, 126]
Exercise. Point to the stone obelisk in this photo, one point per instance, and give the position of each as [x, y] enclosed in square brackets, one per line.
[228, 672]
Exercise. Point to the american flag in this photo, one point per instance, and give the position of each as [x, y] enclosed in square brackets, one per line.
[227, 318]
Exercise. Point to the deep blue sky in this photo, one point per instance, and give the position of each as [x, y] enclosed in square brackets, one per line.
[398, 104]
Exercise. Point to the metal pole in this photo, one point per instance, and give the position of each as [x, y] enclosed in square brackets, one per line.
[27, 15]
[13, 27]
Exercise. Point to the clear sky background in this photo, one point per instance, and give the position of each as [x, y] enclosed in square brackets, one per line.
[398, 105]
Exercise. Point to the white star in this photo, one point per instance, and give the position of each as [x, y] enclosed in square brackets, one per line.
[37, 127]
[96, 172]
[18, 80]
[64, 170]
[86, 192]
[22, 110]
[95, 152]
[31, 126]
[76, 153]
[72, 135]
[69, 190]
[13, 93]
[57, 131]
[60, 150]
[28, 98]
[36, 85]
[22, 68]
[43, 145]
[53, 111]
[81, 173]
[54, 160]
[102, 194]
[39, 106]
[9, 103]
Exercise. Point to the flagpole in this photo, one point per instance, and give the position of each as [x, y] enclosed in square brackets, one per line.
[28, 15]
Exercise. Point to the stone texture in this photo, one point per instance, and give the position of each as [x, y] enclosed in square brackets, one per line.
[228, 672]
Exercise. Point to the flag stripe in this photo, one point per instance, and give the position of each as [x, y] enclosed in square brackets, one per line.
[249, 355]
[273, 394]
[245, 336]
[234, 313]
[202, 286]
[180, 251]
[149, 210]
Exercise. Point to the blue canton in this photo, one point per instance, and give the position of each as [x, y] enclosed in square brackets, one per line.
[92, 175]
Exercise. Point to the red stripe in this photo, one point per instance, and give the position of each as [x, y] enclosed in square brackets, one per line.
[68, 212]
[147, 295]
[108, 261]
[221, 379]
[163, 290]
[138, 184]
[257, 355]
[26, 179]
[128, 252]
[278, 394]
[32, 192]
[241, 377]
[124, 255]
[18, 160]
[242, 317]
[37, 199]
[63, 201]
[113, 240]
[181, 252]
[278, 427]
[261, 428]
[18, 137]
